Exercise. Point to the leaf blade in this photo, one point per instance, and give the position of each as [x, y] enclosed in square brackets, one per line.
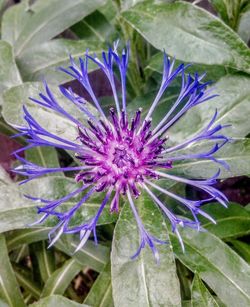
[9, 288]
[52, 20]
[189, 33]
[201, 297]
[217, 264]
[135, 281]
[61, 278]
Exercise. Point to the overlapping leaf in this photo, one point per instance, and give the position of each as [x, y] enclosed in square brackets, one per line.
[101, 292]
[9, 289]
[18, 212]
[57, 300]
[142, 282]
[226, 273]
[201, 297]
[52, 20]
[232, 222]
[43, 60]
[189, 33]
[236, 154]
[9, 74]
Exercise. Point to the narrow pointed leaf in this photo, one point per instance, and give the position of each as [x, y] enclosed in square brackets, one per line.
[45, 258]
[61, 278]
[244, 24]
[24, 278]
[9, 288]
[242, 248]
[142, 282]
[100, 294]
[224, 271]
[21, 236]
[91, 255]
[231, 222]
[201, 297]
[56, 300]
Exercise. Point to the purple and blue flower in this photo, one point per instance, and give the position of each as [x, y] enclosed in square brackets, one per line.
[122, 155]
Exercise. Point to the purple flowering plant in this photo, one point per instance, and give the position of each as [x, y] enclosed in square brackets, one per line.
[121, 154]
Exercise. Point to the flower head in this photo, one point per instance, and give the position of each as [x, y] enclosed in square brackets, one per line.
[121, 155]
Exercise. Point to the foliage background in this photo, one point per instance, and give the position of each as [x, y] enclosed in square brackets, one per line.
[37, 36]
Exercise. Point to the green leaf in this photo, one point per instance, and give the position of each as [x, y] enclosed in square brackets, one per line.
[127, 4]
[189, 33]
[94, 27]
[242, 248]
[146, 101]
[109, 10]
[9, 289]
[17, 212]
[18, 16]
[43, 60]
[61, 278]
[142, 282]
[57, 300]
[101, 292]
[233, 97]
[14, 20]
[56, 187]
[236, 154]
[44, 156]
[213, 72]
[232, 222]
[24, 278]
[228, 11]
[9, 74]
[2, 5]
[3, 303]
[244, 24]
[16, 97]
[226, 273]
[45, 258]
[52, 20]
[201, 297]
[20, 253]
[25, 236]
[92, 255]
